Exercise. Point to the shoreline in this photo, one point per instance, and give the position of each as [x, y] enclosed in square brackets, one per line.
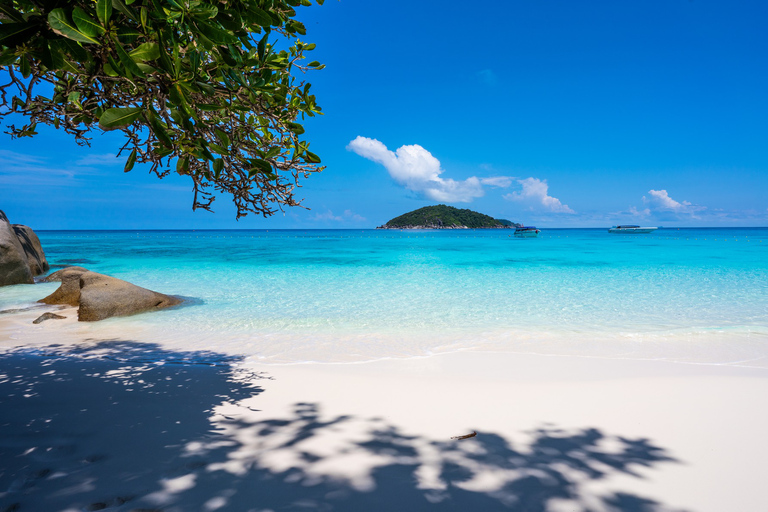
[737, 348]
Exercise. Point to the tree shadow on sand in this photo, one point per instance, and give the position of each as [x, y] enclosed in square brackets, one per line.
[130, 426]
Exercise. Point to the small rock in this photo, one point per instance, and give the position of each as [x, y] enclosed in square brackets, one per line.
[48, 316]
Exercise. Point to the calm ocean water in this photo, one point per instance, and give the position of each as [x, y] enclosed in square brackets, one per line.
[695, 295]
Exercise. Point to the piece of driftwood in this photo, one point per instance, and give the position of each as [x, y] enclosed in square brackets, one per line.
[473, 434]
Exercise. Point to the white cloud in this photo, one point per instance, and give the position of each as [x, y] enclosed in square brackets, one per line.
[12, 157]
[645, 212]
[660, 201]
[348, 215]
[101, 159]
[497, 181]
[416, 169]
[535, 192]
[21, 168]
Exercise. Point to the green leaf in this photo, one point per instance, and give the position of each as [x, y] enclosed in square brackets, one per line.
[262, 46]
[128, 35]
[126, 60]
[114, 66]
[311, 158]
[104, 11]
[218, 149]
[86, 24]
[182, 164]
[296, 26]
[145, 52]
[25, 67]
[223, 137]
[120, 6]
[204, 11]
[11, 13]
[158, 128]
[131, 161]
[59, 23]
[11, 34]
[115, 118]
[218, 166]
[260, 166]
[260, 16]
[295, 128]
[206, 88]
[215, 33]
[7, 58]
[146, 68]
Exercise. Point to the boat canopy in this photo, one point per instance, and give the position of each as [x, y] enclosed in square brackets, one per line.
[627, 226]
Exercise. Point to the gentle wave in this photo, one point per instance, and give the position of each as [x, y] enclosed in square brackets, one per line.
[348, 296]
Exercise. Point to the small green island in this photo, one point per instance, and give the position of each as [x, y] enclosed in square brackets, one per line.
[446, 217]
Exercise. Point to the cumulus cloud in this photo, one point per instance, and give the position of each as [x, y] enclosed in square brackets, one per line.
[535, 191]
[660, 201]
[639, 213]
[416, 169]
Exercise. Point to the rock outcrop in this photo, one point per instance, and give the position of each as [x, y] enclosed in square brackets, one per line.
[33, 250]
[69, 291]
[59, 274]
[21, 255]
[99, 296]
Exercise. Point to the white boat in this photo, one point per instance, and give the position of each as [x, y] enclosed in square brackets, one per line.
[527, 232]
[630, 229]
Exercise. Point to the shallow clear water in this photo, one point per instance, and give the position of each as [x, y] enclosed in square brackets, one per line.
[697, 295]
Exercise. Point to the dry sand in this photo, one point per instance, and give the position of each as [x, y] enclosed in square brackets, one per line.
[129, 426]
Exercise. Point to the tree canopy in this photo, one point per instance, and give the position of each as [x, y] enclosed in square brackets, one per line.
[441, 217]
[205, 88]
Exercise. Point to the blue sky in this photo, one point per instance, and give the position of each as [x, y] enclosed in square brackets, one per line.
[554, 113]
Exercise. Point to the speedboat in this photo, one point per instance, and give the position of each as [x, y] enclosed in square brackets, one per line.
[527, 232]
[630, 229]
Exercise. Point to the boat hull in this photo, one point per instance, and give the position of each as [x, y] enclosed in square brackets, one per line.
[636, 231]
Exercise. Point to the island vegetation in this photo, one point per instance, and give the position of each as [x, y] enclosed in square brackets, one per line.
[446, 217]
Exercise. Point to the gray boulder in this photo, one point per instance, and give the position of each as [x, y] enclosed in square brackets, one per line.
[33, 251]
[56, 276]
[99, 296]
[13, 261]
[104, 296]
[69, 291]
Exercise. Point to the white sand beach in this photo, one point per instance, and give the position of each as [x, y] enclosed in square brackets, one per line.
[135, 427]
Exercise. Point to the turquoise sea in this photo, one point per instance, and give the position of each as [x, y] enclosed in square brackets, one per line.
[692, 295]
